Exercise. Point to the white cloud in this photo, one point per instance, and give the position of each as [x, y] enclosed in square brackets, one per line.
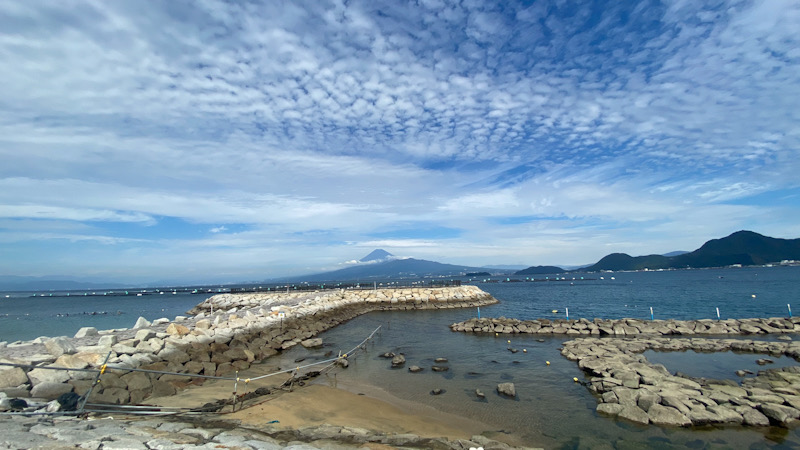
[306, 126]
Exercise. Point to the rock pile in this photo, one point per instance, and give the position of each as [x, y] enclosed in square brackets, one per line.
[242, 329]
[164, 433]
[629, 327]
[632, 388]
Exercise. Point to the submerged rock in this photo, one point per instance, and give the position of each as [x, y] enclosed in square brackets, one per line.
[398, 361]
[507, 389]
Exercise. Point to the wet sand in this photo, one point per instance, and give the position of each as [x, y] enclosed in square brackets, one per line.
[319, 402]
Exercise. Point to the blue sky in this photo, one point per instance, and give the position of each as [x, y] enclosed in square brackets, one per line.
[229, 141]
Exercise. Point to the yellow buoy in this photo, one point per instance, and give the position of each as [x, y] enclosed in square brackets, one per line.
[524, 350]
[555, 311]
[547, 362]
[575, 379]
[495, 335]
[754, 295]
[509, 341]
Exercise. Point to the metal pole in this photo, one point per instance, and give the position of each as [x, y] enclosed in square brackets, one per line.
[94, 383]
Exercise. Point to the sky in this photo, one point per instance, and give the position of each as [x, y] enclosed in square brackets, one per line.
[232, 141]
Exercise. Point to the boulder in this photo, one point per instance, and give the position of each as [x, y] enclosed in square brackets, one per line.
[60, 346]
[175, 329]
[108, 340]
[311, 343]
[86, 331]
[398, 361]
[754, 418]
[779, 414]
[507, 389]
[141, 322]
[415, 369]
[203, 324]
[50, 391]
[634, 414]
[12, 377]
[145, 334]
[611, 409]
[666, 415]
[38, 376]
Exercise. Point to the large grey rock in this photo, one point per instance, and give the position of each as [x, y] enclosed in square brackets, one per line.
[60, 346]
[50, 391]
[611, 409]
[38, 376]
[141, 322]
[754, 418]
[145, 334]
[86, 331]
[12, 377]
[666, 415]
[634, 414]
[779, 414]
[507, 389]
[398, 361]
[311, 343]
[107, 340]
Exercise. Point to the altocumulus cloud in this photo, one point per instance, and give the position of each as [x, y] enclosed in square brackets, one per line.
[240, 140]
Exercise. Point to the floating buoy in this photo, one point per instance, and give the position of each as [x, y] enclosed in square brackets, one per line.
[547, 362]
[524, 350]
[754, 295]
[495, 335]
[555, 311]
[575, 379]
[509, 341]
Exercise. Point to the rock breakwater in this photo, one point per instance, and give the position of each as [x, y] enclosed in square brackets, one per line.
[629, 327]
[227, 333]
[631, 387]
[176, 433]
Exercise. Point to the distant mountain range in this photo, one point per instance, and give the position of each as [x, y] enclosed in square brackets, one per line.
[381, 264]
[744, 248]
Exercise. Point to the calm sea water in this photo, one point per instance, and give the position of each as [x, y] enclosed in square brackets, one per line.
[551, 410]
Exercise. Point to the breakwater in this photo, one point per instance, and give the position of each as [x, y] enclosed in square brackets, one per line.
[628, 386]
[629, 327]
[225, 333]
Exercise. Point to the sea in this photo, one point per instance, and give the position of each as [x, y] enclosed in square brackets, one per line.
[551, 410]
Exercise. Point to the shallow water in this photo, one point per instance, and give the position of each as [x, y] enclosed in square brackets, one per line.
[716, 365]
[550, 410]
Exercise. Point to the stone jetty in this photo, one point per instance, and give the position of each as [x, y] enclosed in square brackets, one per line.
[225, 334]
[166, 432]
[628, 386]
[629, 327]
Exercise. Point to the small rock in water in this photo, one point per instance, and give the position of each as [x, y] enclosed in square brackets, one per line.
[388, 355]
[480, 393]
[440, 360]
[415, 369]
[398, 361]
[784, 338]
[512, 350]
[764, 361]
[743, 372]
[437, 391]
[507, 389]
[440, 368]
